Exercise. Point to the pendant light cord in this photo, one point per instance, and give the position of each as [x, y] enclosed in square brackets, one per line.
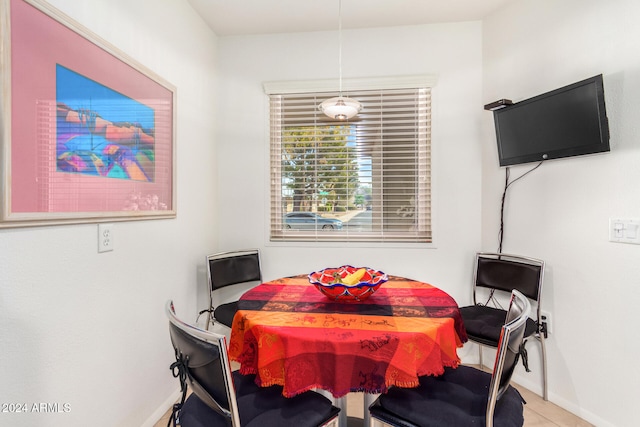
[340, 107]
[340, 44]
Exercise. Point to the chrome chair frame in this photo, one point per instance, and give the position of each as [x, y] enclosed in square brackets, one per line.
[232, 412]
[220, 341]
[512, 332]
[510, 338]
[541, 328]
[218, 281]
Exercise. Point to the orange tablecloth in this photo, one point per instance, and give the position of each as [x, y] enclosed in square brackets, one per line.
[288, 333]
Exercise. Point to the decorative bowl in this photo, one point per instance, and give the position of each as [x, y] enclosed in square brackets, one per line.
[329, 281]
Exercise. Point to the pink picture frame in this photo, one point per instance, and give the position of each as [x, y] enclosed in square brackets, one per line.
[88, 133]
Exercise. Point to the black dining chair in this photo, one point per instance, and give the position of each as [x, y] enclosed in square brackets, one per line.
[464, 396]
[230, 274]
[495, 276]
[221, 397]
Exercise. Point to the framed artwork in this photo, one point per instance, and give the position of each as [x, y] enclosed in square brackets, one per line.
[88, 134]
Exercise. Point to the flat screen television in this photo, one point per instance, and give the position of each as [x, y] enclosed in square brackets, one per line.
[570, 121]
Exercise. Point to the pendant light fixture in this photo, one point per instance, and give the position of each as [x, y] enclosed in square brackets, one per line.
[340, 107]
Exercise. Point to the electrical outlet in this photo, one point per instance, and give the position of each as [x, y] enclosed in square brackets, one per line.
[624, 230]
[105, 237]
[546, 318]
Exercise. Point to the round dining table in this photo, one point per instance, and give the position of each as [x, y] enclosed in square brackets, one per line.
[288, 333]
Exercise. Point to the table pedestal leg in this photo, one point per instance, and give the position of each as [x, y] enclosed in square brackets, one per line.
[341, 402]
[369, 398]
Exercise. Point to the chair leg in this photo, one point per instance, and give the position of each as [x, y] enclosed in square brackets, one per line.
[480, 356]
[210, 317]
[209, 320]
[541, 338]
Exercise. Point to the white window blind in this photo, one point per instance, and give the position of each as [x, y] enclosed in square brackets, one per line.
[364, 180]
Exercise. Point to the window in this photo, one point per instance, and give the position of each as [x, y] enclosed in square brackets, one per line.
[363, 180]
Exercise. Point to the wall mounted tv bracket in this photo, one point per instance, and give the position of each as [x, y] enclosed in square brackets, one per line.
[501, 103]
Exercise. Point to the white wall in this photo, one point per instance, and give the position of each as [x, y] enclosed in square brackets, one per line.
[560, 212]
[451, 51]
[88, 329]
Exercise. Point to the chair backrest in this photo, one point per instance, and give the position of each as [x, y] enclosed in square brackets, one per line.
[230, 268]
[508, 350]
[506, 272]
[206, 363]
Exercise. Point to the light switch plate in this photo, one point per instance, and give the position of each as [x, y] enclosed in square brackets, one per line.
[624, 230]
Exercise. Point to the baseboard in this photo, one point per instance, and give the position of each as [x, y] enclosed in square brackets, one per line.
[162, 409]
[525, 380]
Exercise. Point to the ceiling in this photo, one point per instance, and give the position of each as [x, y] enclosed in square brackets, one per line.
[241, 17]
